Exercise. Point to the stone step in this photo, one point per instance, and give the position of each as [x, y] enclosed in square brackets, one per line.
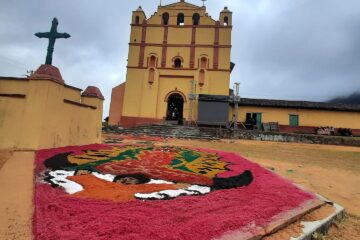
[171, 131]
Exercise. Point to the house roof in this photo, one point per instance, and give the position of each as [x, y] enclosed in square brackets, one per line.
[299, 104]
[282, 103]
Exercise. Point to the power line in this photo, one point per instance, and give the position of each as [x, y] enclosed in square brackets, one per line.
[13, 62]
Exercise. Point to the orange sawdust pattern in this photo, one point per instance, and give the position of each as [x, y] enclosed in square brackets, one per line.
[95, 188]
[155, 163]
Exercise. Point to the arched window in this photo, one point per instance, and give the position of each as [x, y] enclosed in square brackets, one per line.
[202, 78]
[165, 18]
[137, 20]
[203, 63]
[226, 21]
[177, 63]
[152, 62]
[196, 19]
[151, 76]
[180, 19]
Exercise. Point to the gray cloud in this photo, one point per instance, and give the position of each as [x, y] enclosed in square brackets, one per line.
[283, 49]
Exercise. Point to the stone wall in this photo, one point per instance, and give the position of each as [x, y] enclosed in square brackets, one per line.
[282, 137]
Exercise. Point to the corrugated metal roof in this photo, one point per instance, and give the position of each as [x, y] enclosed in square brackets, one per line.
[282, 103]
[299, 104]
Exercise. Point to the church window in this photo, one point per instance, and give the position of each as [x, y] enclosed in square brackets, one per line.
[165, 18]
[152, 62]
[177, 63]
[226, 21]
[202, 78]
[180, 19]
[137, 20]
[151, 76]
[203, 62]
[196, 19]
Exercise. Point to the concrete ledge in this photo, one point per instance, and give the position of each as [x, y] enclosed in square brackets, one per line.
[321, 226]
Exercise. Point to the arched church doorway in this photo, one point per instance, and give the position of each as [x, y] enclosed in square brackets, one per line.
[175, 108]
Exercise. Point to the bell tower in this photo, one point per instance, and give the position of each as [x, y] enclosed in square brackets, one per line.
[138, 16]
[226, 17]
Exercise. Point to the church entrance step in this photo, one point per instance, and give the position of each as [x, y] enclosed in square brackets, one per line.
[168, 131]
[168, 122]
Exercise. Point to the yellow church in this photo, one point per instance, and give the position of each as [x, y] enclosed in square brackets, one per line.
[178, 70]
[178, 51]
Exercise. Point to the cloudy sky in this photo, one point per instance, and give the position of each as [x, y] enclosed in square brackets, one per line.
[283, 49]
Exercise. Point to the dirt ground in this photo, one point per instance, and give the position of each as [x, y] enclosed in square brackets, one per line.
[16, 185]
[332, 171]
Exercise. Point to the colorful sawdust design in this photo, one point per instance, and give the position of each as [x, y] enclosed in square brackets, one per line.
[166, 163]
[212, 192]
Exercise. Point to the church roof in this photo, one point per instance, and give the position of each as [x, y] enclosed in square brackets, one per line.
[139, 9]
[181, 4]
[226, 10]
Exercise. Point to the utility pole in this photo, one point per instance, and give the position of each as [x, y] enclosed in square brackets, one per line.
[236, 100]
[192, 98]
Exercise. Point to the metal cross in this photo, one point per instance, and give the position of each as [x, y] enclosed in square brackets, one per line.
[52, 36]
[203, 2]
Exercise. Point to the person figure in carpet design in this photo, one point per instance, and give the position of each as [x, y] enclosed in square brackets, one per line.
[126, 173]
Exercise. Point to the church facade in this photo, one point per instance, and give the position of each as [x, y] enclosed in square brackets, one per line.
[174, 55]
[178, 70]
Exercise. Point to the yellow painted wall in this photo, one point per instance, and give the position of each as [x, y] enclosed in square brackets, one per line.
[310, 118]
[116, 105]
[133, 58]
[42, 119]
[179, 35]
[144, 100]
[134, 88]
[72, 94]
[202, 35]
